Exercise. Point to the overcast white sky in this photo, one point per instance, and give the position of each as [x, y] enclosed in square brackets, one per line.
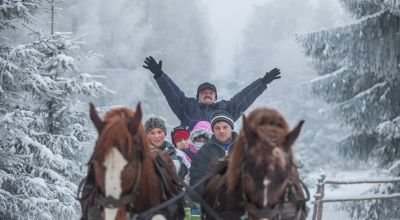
[228, 18]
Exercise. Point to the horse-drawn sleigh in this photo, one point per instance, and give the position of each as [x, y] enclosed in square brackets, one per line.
[128, 180]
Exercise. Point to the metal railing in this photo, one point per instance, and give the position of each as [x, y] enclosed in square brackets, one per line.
[320, 194]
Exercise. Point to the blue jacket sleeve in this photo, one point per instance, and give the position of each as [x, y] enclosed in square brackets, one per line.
[243, 99]
[176, 98]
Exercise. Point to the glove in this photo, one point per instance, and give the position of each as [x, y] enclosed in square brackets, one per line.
[153, 66]
[271, 76]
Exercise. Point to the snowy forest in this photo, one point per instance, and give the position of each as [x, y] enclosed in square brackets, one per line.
[340, 65]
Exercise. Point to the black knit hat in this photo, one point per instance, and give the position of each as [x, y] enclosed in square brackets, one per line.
[222, 115]
[205, 86]
[155, 122]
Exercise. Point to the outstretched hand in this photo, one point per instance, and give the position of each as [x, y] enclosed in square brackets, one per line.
[153, 66]
[271, 76]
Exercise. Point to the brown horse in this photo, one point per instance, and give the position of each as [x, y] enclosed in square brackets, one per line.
[261, 181]
[124, 179]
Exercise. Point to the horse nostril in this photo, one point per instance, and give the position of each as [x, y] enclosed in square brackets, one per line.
[158, 217]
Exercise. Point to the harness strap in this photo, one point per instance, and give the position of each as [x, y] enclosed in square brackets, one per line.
[283, 209]
[86, 213]
[80, 188]
[168, 203]
[183, 193]
[111, 202]
[189, 189]
[92, 212]
[306, 190]
[289, 210]
[266, 212]
[302, 207]
[163, 182]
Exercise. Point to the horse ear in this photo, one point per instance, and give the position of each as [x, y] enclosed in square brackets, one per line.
[292, 136]
[134, 123]
[95, 118]
[247, 131]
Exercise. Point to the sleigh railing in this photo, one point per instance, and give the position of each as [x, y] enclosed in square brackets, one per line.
[320, 194]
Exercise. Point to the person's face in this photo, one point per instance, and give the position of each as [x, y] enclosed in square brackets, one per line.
[184, 143]
[223, 132]
[207, 96]
[156, 137]
[198, 142]
[200, 139]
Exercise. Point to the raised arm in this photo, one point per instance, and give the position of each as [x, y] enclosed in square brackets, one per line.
[175, 97]
[243, 99]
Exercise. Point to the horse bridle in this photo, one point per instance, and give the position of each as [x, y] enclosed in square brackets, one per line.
[130, 198]
[283, 209]
[279, 209]
[109, 201]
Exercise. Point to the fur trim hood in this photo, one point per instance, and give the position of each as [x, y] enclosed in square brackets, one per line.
[202, 128]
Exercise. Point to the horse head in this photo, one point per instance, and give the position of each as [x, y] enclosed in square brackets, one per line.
[262, 160]
[116, 158]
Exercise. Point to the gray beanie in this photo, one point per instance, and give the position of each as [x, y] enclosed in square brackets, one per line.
[155, 122]
[221, 115]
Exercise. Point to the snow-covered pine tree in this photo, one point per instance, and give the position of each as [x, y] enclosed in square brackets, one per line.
[14, 12]
[269, 42]
[39, 79]
[13, 120]
[359, 64]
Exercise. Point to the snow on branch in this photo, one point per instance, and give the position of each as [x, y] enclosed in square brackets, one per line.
[360, 8]
[393, 5]
[365, 110]
[346, 46]
[390, 129]
[13, 12]
[336, 86]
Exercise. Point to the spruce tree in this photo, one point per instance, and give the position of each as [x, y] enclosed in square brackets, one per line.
[359, 64]
[44, 129]
[270, 42]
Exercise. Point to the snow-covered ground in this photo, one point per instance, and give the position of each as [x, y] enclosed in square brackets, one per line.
[330, 210]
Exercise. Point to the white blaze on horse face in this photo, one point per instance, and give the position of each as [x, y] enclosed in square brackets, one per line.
[277, 152]
[279, 156]
[114, 164]
[265, 182]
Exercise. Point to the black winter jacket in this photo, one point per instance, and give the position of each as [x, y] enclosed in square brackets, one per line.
[189, 111]
[205, 157]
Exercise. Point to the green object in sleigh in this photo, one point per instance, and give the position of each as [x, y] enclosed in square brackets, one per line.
[188, 215]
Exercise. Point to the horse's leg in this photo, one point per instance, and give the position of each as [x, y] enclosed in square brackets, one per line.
[114, 163]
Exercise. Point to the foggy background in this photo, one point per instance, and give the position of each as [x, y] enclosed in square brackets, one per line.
[229, 43]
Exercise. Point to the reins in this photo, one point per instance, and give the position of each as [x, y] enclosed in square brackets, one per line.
[188, 188]
[110, 201]
[283, 209]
